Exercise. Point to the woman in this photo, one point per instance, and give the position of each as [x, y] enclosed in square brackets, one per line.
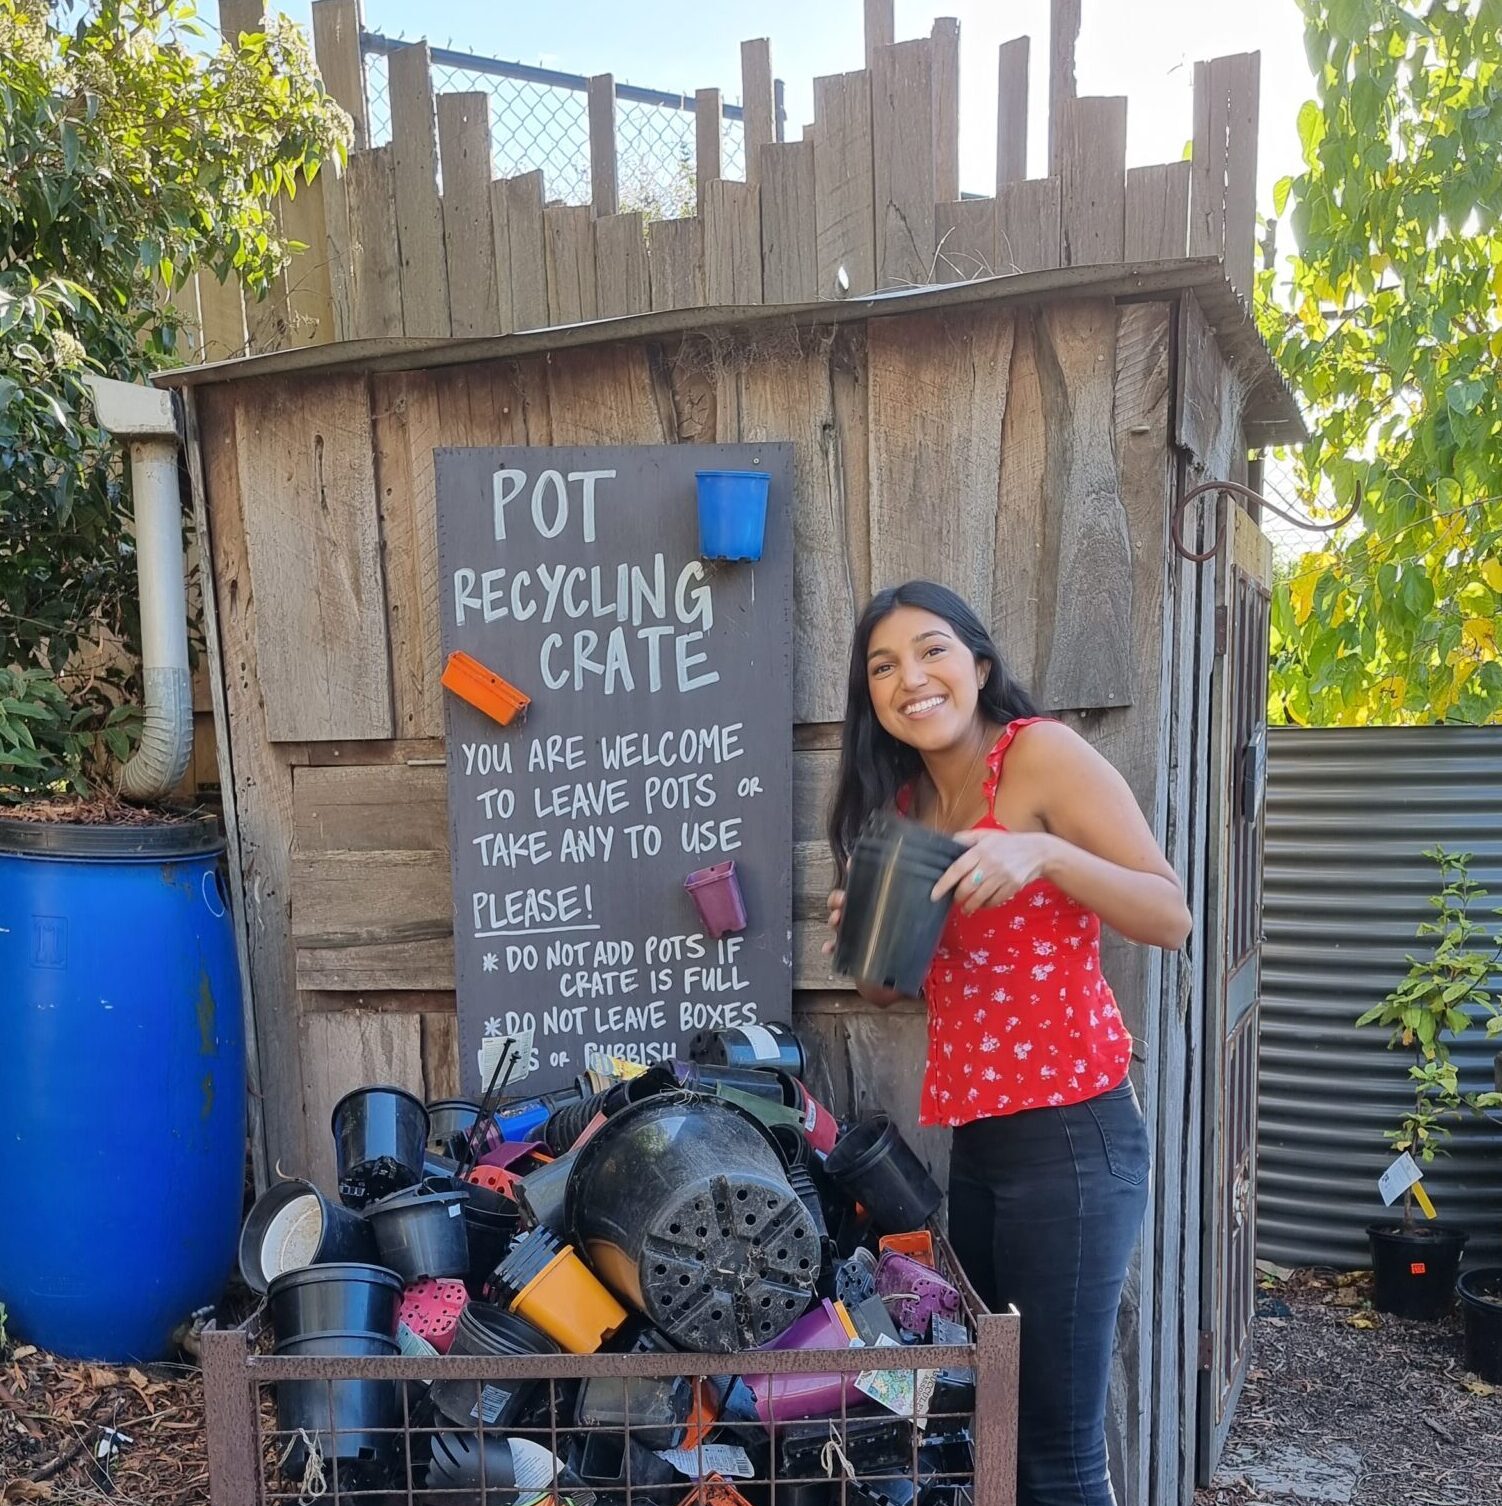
[1028, 1055]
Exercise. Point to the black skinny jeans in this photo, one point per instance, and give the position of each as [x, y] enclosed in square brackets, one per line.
[1045, 1208]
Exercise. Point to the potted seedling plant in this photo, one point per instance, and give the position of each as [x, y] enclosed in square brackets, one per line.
[1443, 995]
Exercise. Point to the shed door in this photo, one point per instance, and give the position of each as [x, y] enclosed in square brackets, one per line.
[1234, 982]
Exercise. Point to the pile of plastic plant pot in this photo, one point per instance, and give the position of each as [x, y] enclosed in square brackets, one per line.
[709, 1208]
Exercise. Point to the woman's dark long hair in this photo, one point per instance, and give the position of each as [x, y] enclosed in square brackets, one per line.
[874, 765]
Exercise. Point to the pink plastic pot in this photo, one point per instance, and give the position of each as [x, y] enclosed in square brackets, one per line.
[716, 893]
[431, 1308]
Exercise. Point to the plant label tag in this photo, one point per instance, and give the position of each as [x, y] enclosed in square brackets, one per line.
[1398, 1178]
[762, 1042]
[908, 1393]
[710, 1459]
[413, 1345]
[495, 1048]
[1423, 1200]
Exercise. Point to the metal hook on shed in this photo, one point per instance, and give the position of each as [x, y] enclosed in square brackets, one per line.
[1236, 489]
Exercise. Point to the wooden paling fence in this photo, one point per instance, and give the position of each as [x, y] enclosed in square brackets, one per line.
[417, 239]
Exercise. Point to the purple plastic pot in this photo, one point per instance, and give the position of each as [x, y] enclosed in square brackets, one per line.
[792, 1398]
[716, 893]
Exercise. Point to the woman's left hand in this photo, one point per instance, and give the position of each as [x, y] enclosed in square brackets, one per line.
[996, 866]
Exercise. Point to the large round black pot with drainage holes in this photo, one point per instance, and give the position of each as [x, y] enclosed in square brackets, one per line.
[683, 1208]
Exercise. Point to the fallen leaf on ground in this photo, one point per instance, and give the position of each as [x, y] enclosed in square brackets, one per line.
[1480, 1387]
[1360, 1320]
[18, 1491]
[25, 1352]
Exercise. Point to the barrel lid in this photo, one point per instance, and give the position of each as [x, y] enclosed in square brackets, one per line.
[197, 837]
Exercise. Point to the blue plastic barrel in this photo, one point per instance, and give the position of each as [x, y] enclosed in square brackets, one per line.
[122, 1084]
[732, 514]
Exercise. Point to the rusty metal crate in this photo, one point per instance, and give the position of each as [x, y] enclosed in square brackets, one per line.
[245, 1448]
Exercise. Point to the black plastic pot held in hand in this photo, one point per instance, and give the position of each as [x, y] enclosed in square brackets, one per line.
[683, 1208]
[891, 925]
[880, 1170]
[380, 1136]
[345, 1298]
[294, 1225]
[421, 1233]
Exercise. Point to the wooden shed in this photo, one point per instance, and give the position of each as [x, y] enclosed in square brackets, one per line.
[1024, 439]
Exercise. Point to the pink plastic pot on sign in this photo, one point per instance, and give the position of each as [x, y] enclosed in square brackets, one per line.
[716, 893]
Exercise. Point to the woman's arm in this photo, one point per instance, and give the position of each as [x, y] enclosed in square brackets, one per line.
[1096, 845]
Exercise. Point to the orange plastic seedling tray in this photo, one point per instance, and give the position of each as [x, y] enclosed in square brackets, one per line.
[919, 1244]
[485, 690]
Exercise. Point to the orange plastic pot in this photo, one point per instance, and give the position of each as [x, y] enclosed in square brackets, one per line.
[555, 1291]
[485, 690]
[919, 1244]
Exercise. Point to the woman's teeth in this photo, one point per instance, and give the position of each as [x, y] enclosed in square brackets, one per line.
[922, 708]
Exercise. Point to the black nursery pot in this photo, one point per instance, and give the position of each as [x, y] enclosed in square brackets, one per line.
[343, 1298]
[380, 1137]
[1415, 1269]
[892, 925]
[1481, 1302]
[293, 1225]
[768, 1048]
[682, 1207]
[881, 1171]
[498, 1403]
[349, 1420]
[422, 1233]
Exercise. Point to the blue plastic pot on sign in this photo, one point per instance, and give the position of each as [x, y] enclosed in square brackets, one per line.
[732, 514]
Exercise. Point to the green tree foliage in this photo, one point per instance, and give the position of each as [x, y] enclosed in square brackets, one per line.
[1388, 322]
[129, 158]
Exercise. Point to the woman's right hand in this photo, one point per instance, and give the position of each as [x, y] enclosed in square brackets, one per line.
[836, 915]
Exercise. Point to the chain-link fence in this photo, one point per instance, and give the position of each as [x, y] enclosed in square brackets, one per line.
[1282, 482]
[539, 119]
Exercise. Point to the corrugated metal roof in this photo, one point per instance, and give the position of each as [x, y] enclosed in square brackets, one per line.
[1272, 415]
[1349, 814]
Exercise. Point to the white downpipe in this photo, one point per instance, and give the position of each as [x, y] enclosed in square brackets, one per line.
[143, 417]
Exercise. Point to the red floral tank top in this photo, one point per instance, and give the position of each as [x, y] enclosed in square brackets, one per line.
[1019, 1014]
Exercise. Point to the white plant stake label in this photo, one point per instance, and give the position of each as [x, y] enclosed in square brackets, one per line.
[1398, 1178]
[714, 1458]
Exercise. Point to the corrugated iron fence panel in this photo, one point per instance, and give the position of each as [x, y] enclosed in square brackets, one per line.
[1350, 812]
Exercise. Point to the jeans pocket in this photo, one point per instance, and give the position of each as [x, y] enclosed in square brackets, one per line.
[1123, 1133]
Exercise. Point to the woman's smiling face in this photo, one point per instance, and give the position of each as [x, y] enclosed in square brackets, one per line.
[922, 679]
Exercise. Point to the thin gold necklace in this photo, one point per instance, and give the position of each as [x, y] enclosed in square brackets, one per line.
[942, 823]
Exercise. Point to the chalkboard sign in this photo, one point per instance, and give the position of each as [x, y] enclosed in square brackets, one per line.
[657, 743]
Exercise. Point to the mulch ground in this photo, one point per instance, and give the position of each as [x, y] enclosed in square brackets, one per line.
[1331, 1377]
[73, 1433]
